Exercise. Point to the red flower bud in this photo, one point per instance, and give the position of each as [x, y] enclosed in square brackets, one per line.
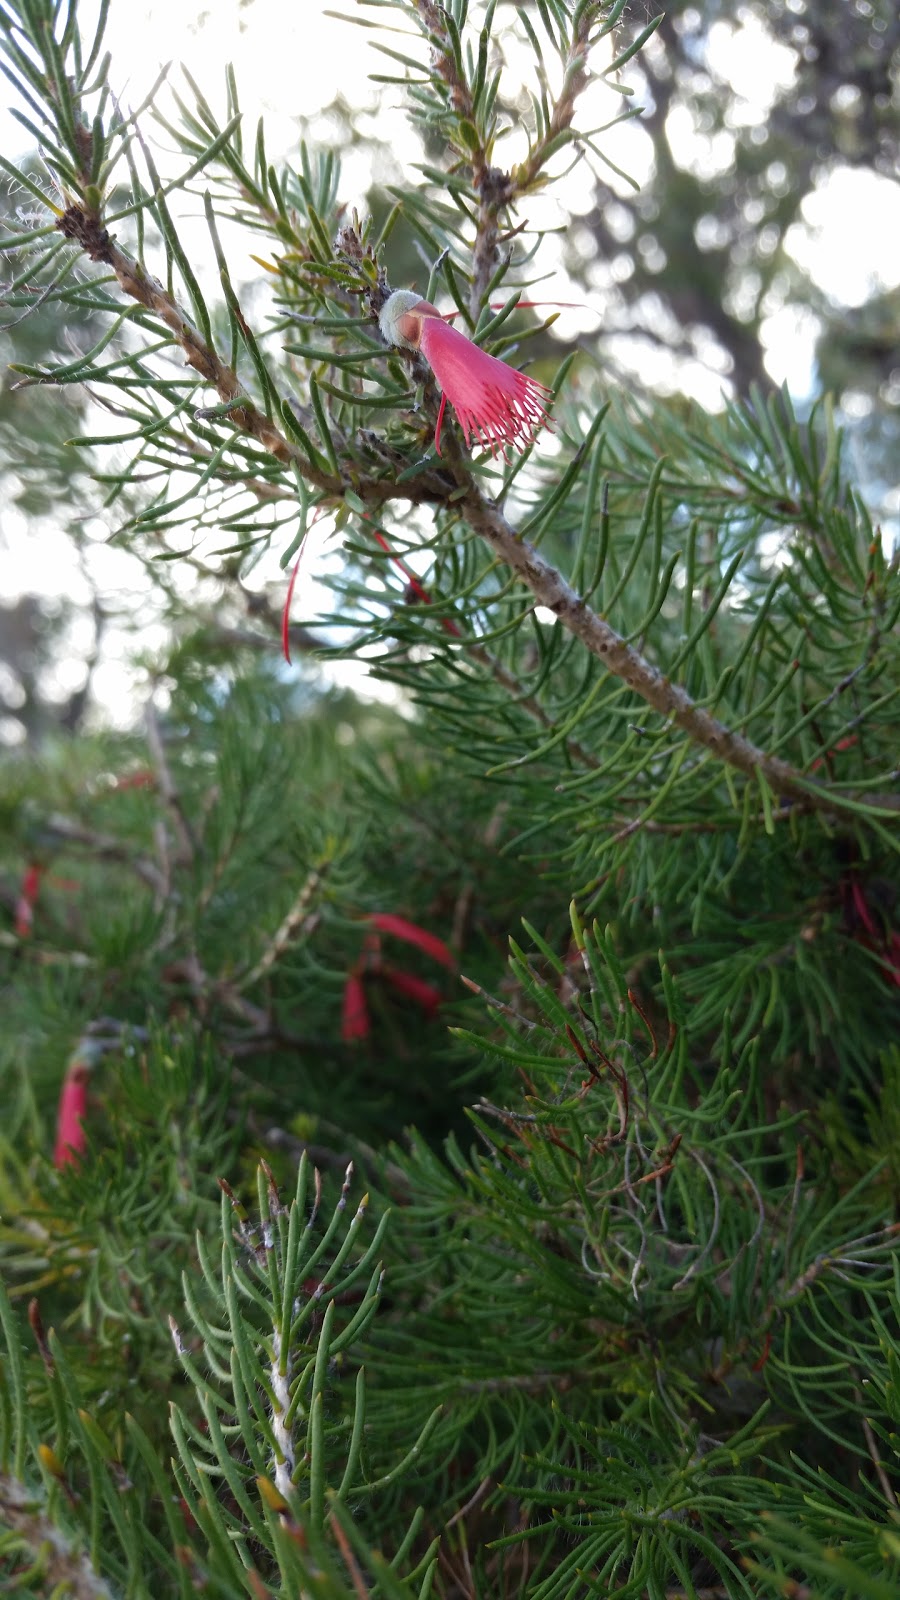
[402, 928]
[355, 1021]
[416, 989]
[25, 903]
[72, 1109]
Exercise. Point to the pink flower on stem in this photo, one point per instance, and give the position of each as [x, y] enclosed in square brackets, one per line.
[495, 404]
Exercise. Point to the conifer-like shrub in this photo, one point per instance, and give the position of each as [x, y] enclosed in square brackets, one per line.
[450, 1147]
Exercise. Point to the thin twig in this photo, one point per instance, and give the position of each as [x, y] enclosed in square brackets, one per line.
[887, 1487]
[833, 1260]
[299, 919]
[472, 1502]
[64, 1569]
[350, 1561]
[495, 189]
[498, 1005]
[167, 788]
[104, 846]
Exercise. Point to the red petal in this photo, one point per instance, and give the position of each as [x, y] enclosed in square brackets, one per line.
[355, 1023]
[141, 778]
[25, 902]
[401, 928]
[495, 403]
[861, 906]
[420, 593]
[416, 989]
[439, 424]
[72, 1109]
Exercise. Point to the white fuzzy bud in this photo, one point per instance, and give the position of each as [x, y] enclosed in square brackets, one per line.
[392, 315]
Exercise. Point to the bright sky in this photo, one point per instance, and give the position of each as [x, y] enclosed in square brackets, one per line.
[293, 60]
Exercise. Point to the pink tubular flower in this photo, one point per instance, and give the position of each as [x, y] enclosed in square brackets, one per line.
[495, 404]
[425, 995]
[402, 928]
[27, 897]
[71, 1111]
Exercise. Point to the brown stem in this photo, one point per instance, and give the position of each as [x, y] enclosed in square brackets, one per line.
[550, 589]
[508, 681]
[350, 1561]
[495, 189]
[575, 80]
[88, 231]
[647, 825]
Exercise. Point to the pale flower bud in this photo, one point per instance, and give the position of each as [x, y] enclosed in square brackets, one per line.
[397, 326]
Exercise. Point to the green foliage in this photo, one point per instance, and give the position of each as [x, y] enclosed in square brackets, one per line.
[245, 1520]
[640, 1337]
[235, 939]
[606, 1277]
[671, 1261]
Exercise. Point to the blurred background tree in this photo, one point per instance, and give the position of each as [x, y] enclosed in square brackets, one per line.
[750, 109]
